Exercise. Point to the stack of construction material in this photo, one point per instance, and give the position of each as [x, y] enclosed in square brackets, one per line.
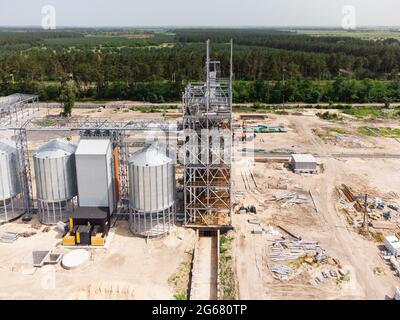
[292, 250]
[282, 270]
[9, 237]
[351, 198]
[271, 231]
[292, 199]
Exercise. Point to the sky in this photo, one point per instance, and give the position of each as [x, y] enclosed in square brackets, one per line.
[230, 13]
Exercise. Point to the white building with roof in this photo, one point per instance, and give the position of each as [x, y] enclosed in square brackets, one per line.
[392, 244]
[303, 163]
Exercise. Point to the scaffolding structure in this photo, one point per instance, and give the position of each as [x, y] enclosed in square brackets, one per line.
[11, 209]
[207, 125]
[151, 224]
[25, 173]
[15, 107]
[52, 212]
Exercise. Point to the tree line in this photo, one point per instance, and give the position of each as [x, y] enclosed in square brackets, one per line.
[358, 57]
[269, 65]
[186, 62]
[297, 90]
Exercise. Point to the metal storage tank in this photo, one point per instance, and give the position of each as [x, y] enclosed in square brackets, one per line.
[55, 177]
[151, 191]
[9, 179]
[55, 172]
[10, 187]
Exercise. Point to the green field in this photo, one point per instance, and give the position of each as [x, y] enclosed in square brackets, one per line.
[380, 132]
[364, 112]
[360, 34]
[114, 41]
[371, 113]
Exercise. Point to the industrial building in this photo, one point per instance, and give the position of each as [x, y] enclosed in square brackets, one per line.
[303, 163]
[392, 244]
[14, 107]
[94, 174]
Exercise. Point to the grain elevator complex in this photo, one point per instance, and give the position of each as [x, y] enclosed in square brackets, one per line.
[97, 174]
[198, 199]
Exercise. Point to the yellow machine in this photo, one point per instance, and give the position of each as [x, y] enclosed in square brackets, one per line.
[73, 237]
[78, 238]
[71, 223]
[68, 240]
[98, 240]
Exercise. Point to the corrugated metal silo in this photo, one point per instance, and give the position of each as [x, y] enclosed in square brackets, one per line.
[55, 177]
[55, 171]
[9, 179]
[10, 187]
[151, 191]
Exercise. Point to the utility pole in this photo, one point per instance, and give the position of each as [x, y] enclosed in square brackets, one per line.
[231, 76]
[365, 222]
[283, 86]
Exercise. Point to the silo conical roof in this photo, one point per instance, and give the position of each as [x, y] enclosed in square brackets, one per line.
[55, 148]
[7, 146]
[150, 156]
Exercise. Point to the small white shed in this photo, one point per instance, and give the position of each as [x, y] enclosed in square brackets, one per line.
[392, 244]
[303, 163]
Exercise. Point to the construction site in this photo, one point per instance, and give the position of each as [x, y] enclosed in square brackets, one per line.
[199, 203]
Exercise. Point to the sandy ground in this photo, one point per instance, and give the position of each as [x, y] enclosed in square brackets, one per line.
[327, 226]
[128, 269]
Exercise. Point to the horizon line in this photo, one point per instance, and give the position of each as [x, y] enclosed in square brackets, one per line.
[203, 26]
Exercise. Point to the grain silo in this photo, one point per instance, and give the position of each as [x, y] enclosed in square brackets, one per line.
[151, 192]
[55, 177]
[10, 187]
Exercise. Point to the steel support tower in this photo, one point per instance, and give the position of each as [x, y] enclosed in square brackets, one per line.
[207, 125]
